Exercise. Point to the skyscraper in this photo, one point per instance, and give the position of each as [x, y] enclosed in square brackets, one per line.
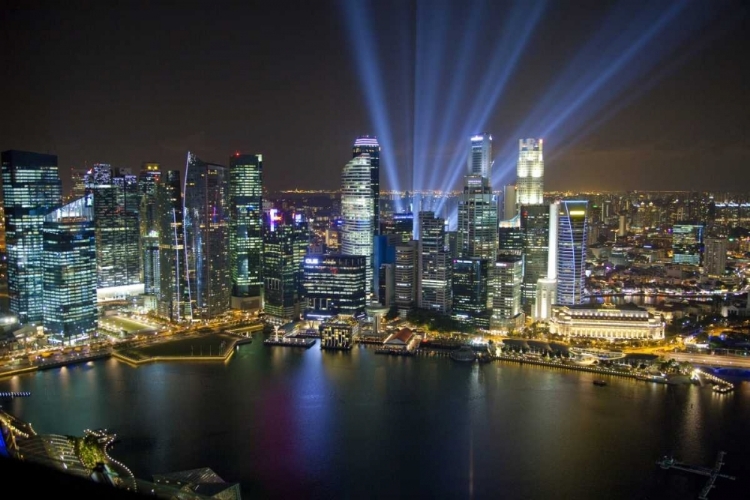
[285, 241]
[405, 277]
[687, 243]
[506, 278]
[206, 223]
[334, 284]
[571, 251]
[246, 229]
[149, 227]
[357, 211]
[69, 262]
[535, 227]
[715, 256]
[530, 172]
[173, 295]
[480, 156]
[470, 287]
[369, 145]
[477, 220]
[116, 207]
[546, 287]
[31, 190]
[434, 264]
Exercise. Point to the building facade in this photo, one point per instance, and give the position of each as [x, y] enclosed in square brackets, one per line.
[69, 263]
[148, 179]
[334, 284]
[370, 146]
[31, 190]
[506, 278]
[687, 243]
[357, 211]
[715, 256]
[406, 283]
[530, 172]
[572, 230]
[606, 321]
[536, 242]
[477, 220]
[480, 156]
[246, 228]
[173, 299]
[339, 332]
[434, 265]
[470, 286]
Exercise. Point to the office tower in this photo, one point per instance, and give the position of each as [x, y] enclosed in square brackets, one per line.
[530, 172]
[405, 277]
[510, 202]
[687, 242]
[334, 284]
[535, 227]
[356, 210]
[387, 284]
[546, 287]
[571, 251]
[471, 292]
[477, 220]
[78, 178]
[285, 241]
[174, 295]
[401, 224]
[148, 178]
[715, 256]
[246, 229]
[506, 278]
[434, 264]
[206, 223]
[510, 241]
[480, 156]
[116, 207]
[369, 145]
[69, 263]
[384, 253]
[31, 190]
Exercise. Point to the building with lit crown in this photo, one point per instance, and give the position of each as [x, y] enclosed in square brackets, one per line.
[606, 321]
[31, 190]
[480, 156]
[206, 225]
[69, 263]
[572, 231]
[357, 212]
[246, 230]
[530, 173]
[370, 146]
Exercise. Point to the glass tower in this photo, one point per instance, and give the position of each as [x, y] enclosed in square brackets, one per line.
[206, 226]
[477, 220]
[471, 292]
[687, 243]
[149, 227]
[505, 283]
[535, 228]
[285, 241]
[434, 264]
[370, 146]
[571, 251]
[480, 156]
[246, 224]
[357, 233]
[334, 284]
[530, 173]
[69, 262]
[173, 296]
[31, 190]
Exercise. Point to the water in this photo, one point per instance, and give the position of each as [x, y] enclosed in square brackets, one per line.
[289, 423]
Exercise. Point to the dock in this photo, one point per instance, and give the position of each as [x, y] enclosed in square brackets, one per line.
[290, 342]
[712, 473]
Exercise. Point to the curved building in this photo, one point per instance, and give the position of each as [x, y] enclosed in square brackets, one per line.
[530, 173]
[572, 229]
[357, 211]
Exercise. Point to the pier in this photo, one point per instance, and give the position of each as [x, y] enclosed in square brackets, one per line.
[712, 473]
[11, 395]
[290, 342]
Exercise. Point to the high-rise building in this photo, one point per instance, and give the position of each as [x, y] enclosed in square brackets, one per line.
[480, 156]
[510, 203]
[506, 278]
[405, 277]
[370, 146]
[334, 284]
[148, 179]
[285, 241]
[546, 287]
[470, 286]
[246, 229]
[206, 223]
[78, 178]
[69, 262]
[116, 207]
[174, 295]
[434, 264]
[31, 190]
[477, 220]
[530, 172]
[687, 243]
[715, 256]
[357, 211]
[510, 241]
[571, 251]
[535, 227]
[401, 223]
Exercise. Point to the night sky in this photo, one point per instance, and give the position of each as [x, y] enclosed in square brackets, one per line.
[148, 81]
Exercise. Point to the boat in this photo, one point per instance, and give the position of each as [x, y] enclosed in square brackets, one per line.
[600, 383]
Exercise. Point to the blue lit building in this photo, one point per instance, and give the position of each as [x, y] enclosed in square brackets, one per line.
[572, 230]
[206, 225]
[31, 190]
[69, 263]
[246, 229]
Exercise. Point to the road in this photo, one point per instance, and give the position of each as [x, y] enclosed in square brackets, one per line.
[711, 360]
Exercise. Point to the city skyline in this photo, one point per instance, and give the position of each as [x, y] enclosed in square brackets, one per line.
[135, 101]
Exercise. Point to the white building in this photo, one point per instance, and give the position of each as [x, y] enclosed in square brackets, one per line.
[357, 211]
[530, 173]
[606, 321]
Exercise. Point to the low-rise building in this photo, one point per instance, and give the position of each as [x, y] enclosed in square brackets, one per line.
[606, 321]
[339, 332]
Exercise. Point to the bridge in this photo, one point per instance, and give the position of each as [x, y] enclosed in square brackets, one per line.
[713, 474]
